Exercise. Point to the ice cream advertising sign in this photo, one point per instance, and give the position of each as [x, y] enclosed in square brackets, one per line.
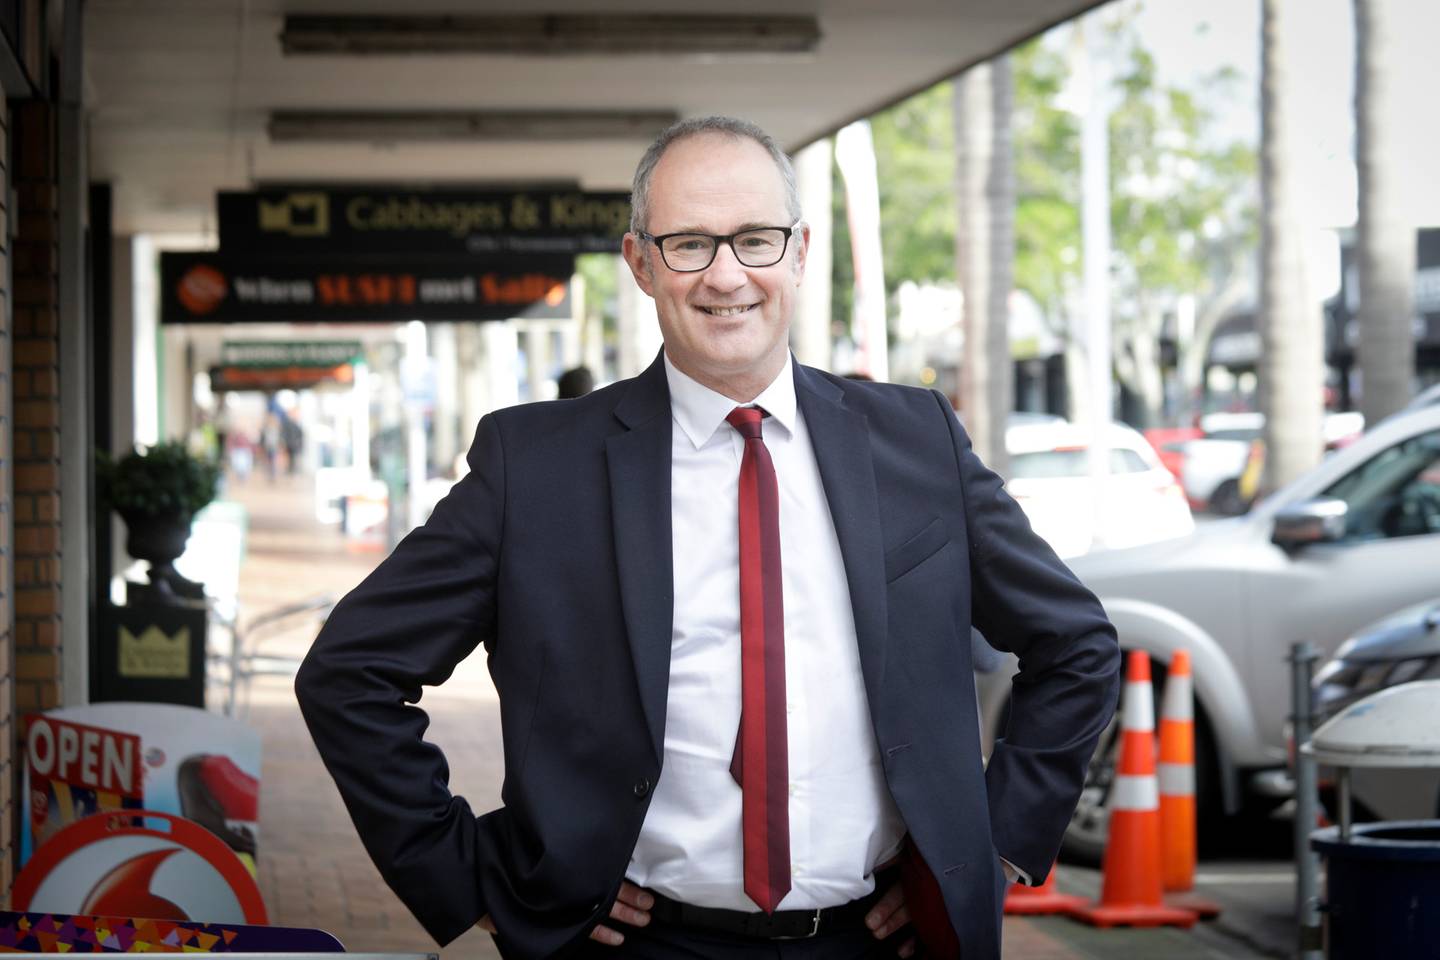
[134, 808]
[76, 770]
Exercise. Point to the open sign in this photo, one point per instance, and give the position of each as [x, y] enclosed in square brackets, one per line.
[81, 755]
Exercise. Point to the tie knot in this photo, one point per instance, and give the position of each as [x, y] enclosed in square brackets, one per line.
[747, 421]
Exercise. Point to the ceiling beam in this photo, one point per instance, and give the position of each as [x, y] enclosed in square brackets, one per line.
[555, 35]
[372, 126]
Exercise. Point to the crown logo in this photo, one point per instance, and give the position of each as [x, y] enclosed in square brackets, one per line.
[298, 214]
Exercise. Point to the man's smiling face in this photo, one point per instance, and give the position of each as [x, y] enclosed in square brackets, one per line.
[725, 326]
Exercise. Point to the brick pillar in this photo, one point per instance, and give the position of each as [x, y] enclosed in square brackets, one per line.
[9, 778]
[35, 393]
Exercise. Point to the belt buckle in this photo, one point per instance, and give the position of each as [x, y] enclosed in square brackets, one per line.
[814, 928]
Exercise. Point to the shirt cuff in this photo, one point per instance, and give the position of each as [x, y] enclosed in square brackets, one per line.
[1014, 874]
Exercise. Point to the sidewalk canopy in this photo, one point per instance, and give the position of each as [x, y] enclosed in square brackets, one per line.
[189, 98]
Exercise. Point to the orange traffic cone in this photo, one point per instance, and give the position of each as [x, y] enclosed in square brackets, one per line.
[1042, 899]
[1130, 891]
[1177, 791]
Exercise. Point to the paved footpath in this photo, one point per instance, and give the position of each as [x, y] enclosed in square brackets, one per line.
[315, 873]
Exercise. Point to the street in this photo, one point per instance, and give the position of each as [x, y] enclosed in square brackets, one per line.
[1257, 897]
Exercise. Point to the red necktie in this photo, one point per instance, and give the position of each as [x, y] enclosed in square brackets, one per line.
[761, 763]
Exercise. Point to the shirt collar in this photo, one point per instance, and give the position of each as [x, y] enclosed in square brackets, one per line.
[699, 410]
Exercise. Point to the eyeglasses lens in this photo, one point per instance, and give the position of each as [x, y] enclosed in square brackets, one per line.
[753, 248]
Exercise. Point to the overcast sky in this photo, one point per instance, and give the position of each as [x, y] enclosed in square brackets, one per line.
[1190, 40]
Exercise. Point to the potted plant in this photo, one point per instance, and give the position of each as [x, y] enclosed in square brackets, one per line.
[157, 491]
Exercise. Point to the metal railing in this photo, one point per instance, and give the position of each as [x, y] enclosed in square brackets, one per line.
[1309, 931]
[246, 658]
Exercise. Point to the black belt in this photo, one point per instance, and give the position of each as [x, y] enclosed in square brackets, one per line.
[780, 925]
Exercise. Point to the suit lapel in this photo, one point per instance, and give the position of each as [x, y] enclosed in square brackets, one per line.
[639, 465]
[841, 439]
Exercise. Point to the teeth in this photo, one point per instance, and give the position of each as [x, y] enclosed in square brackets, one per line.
[725, 311]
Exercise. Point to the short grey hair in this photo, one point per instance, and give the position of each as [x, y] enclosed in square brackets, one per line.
[727, 126]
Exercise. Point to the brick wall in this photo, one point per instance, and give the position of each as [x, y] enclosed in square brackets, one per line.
[35, 383]
[9, 780]
[35, 418]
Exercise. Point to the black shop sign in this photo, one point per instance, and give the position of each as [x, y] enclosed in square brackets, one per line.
[222, 288]
[385, 220]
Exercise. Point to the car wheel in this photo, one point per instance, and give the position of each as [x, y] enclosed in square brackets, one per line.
[1085, 837]
[1226, 499]
[1084, 841]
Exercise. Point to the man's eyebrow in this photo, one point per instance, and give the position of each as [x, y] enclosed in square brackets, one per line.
[748, 225]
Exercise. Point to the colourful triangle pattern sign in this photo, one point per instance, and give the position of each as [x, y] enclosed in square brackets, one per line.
[62, 933]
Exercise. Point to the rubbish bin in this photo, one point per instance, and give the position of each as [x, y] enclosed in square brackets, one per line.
[1382, 889]
[1382, 879]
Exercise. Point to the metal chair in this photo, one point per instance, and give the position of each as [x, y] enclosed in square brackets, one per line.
[246, 658]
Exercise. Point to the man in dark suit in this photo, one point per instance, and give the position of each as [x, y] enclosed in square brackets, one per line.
[727, 608]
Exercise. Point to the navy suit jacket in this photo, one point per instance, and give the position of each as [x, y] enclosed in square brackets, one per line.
[554, 552]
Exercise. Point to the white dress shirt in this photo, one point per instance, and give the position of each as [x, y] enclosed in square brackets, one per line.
[843, 821]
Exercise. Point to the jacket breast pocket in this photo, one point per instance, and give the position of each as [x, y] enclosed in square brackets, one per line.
[919, 548]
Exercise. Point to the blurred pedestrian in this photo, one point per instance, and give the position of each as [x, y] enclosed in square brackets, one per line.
[293, 436]
[271, 443]
[221, 422]
[576, 382]
[242, 454]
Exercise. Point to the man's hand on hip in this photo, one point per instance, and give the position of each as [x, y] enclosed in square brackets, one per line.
[890, 914]
[631, 907]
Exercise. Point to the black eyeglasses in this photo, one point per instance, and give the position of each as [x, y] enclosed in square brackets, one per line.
[692, 252]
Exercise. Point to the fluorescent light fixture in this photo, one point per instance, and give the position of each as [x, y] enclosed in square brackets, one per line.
[557, 35]
[371, 126]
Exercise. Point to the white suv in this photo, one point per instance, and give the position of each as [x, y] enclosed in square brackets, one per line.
[1137, 500]
[1347, 543]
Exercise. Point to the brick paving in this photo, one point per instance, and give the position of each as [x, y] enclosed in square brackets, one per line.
[314, 871]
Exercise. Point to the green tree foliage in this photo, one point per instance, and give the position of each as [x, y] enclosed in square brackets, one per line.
[842, 268]
[1183, 217]
[1183, 203]
[1047, 181]
[1179, 201]
[600, 271]
[915, 163]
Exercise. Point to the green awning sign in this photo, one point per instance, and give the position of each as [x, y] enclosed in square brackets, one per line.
[290, 353]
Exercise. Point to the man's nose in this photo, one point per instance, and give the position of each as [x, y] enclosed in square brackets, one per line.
[725, 272]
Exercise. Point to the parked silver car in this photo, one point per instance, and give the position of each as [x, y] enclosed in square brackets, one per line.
[1214, 463]
[1350, 541]
[1401, 648]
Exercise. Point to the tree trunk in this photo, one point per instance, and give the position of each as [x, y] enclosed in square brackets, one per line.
[985, 252]
[1385, 241]
[1291, 371]
[855, 155]
[810, 331]
[1078, 396]
[1145, 378]
[1136, 357]
[1193, 353]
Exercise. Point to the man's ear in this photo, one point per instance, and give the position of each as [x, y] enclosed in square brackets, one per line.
[801, 240]
[632, 248]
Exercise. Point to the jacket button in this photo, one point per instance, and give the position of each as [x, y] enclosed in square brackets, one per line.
[642, 787]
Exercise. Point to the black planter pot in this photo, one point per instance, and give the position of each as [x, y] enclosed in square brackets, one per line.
[159, 540]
